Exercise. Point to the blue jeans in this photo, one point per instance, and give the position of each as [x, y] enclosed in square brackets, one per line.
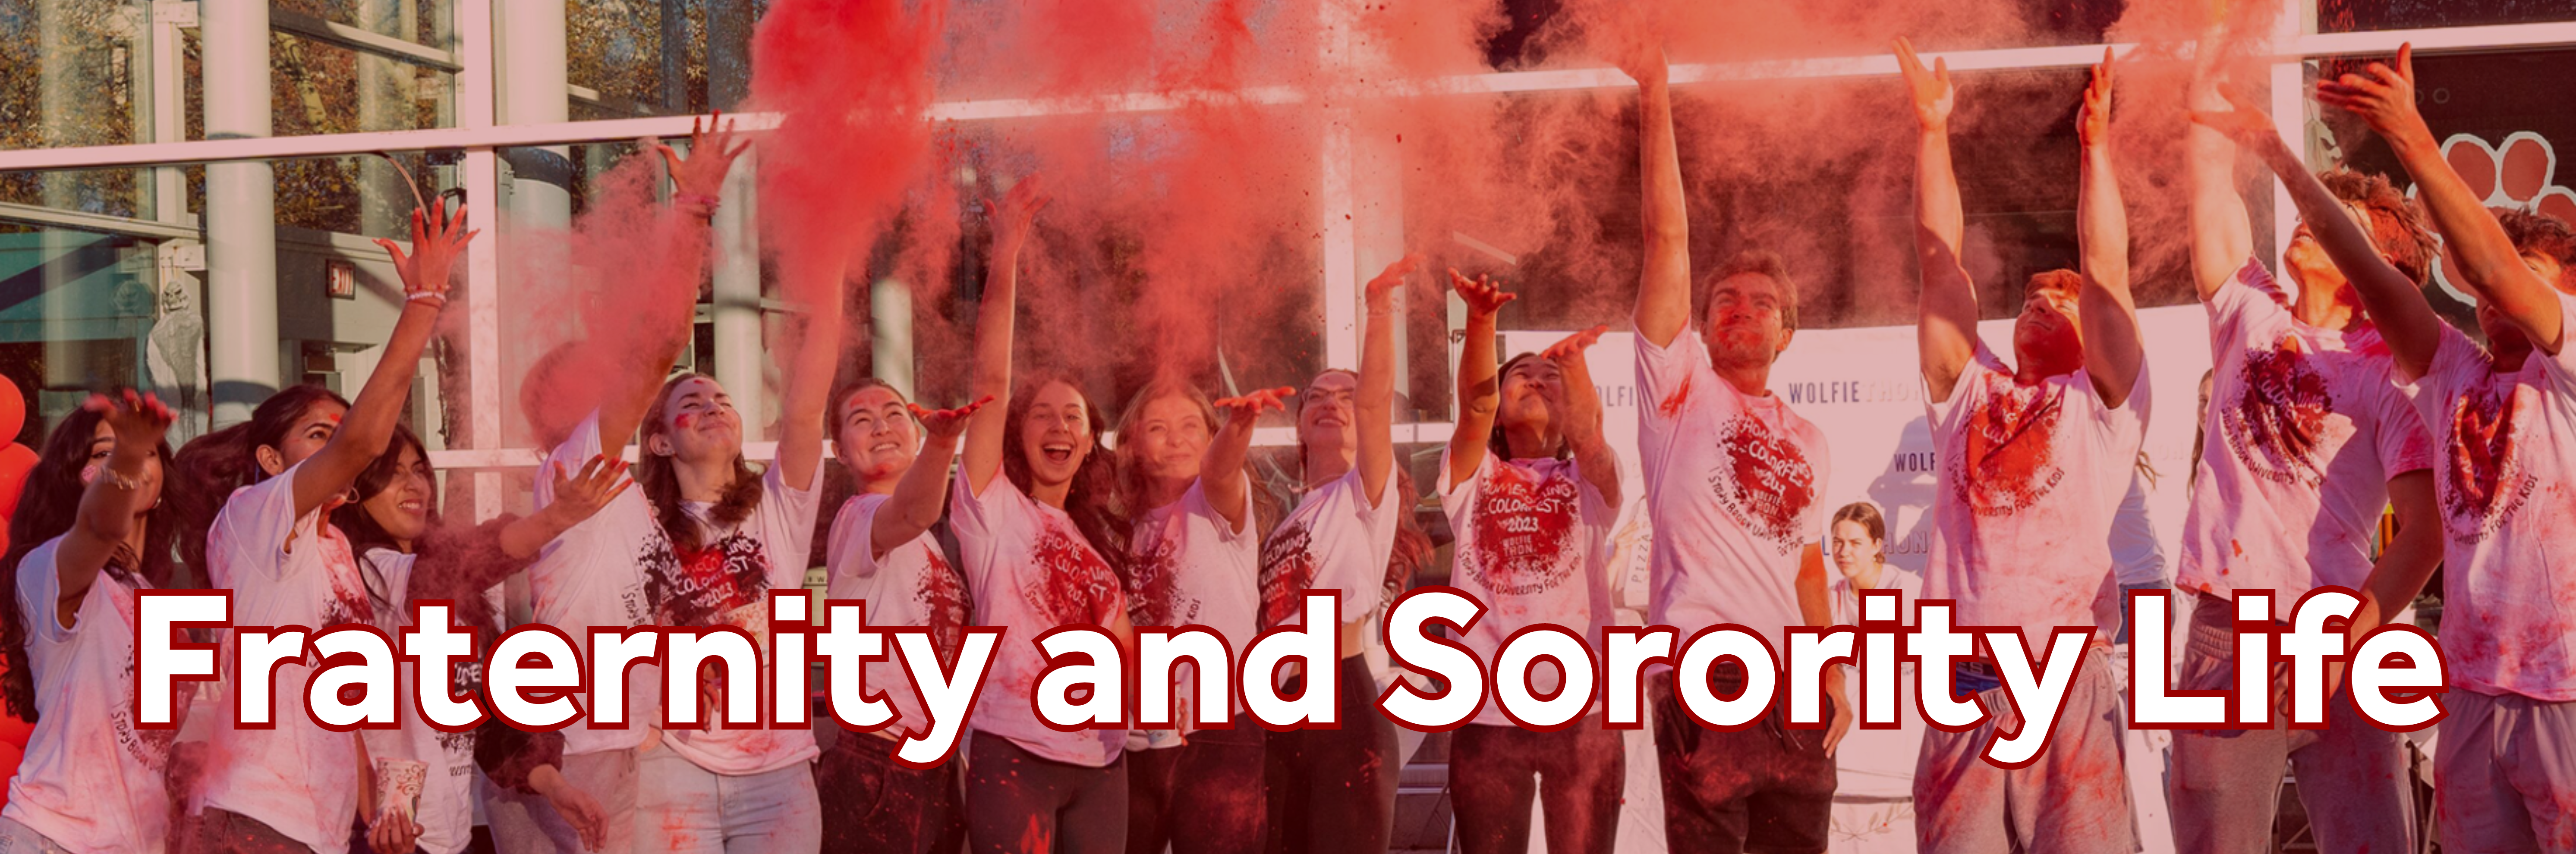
[682, 808]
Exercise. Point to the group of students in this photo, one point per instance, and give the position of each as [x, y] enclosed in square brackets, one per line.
[2335, 396]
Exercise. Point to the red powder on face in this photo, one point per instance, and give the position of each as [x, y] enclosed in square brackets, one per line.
[685, 420]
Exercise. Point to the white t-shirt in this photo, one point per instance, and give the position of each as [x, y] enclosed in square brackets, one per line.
[1188, 566]
[1533, 544]
[2030, 478]
[1333, 541]
[2508, 453]
[446, 813]
[1731, 491]
[593, 575]
[298, 778]
[913, 585]
[727, 583]
[2304, 432]
[89, 780]
[1030, 570]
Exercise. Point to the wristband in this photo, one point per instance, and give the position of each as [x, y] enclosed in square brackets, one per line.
[427, 296]
[700, 198]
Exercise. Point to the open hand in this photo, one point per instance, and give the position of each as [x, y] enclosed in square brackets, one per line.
[1389, 279]
[2243, 121]
[1249, 406]
[435, 240]
[577, 496]
[1018, 209]
[1570, 348]
[1933, 95]
[2382, 96]
[138, 421]
[2093, 123]
[1483, 295]
[946, 423]
[699, 178]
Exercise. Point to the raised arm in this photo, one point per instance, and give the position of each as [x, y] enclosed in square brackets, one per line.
[1582, 427]
[105, 520]
[1663, 288]
[1373, 411]
[914, 506]
[2222, 235]
[2489, 262]
[2394, 302]
[2113, 353]
[658, 332]
[1221, 470]
[577, 496]
[1947, 331]
[809, 376]
[981, 457]
[1479, 392]
[369, 426]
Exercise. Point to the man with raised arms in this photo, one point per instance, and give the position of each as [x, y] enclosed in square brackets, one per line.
[2505, 418]
[2308, 443]
[1731, 480]
[2035, 457]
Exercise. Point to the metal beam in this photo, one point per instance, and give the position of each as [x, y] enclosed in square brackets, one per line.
[40, 215]
[365, 41]
[2430, 41]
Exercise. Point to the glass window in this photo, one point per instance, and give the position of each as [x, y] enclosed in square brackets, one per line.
[2347, 16]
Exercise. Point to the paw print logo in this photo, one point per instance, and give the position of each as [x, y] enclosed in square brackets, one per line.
[2521, 173]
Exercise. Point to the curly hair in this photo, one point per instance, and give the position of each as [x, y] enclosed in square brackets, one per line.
[2536, 233]
[661, 480]
[210, 467]
[2396, 224]
[1092, 498]
[49, 505]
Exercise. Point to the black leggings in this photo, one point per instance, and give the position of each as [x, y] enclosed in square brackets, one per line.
[1204, 797]
[1578, 771]
[871, 803]
[1333, 790]
[1020, 803]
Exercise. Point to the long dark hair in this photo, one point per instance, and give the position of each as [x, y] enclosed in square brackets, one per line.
[660, 478]
[47, 507]
[211, 466]
[364, 532]
[1092, 498]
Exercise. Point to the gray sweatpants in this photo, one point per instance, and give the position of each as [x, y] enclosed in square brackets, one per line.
[2226, 783]
[2505, 771]
[2073, 799]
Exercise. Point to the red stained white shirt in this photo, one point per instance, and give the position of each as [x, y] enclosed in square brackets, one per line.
[2304, 432]
[1188, 566]
[1333, 541]
[1533, 544]
[284, 570]
[727, 583]
[593, 575]
[1031, 570]
[912, 586]
[2029, 481]
[1732, 485]
[89, 781]
[2508, 449]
